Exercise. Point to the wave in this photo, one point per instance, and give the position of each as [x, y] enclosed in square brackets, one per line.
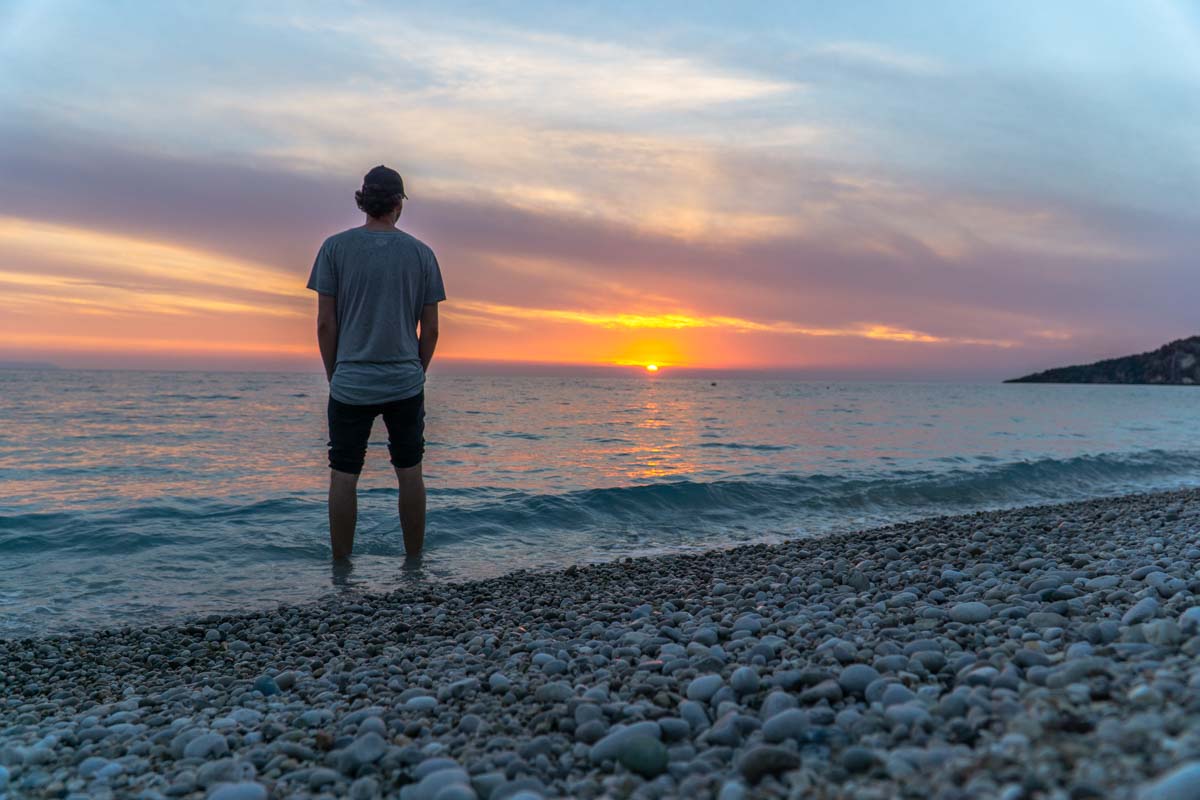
[779, 503]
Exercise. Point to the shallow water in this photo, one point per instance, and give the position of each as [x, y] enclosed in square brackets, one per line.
[135, 497]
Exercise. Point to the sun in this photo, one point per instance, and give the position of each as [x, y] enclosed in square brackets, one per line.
[652, 368]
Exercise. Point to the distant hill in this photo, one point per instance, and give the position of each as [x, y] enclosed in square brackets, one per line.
[1175, 363]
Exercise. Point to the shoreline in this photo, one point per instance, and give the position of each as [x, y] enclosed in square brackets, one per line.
[1044, 650]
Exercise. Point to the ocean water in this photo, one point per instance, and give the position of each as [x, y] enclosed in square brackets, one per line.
[132, 498]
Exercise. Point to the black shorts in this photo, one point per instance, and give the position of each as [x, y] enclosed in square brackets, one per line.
[350, 428]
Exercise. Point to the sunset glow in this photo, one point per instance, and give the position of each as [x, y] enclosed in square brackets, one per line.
[844, 191]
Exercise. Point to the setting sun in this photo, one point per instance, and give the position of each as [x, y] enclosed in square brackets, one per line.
[652, 367]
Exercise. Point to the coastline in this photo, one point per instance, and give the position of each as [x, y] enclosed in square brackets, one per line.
[1047, 651]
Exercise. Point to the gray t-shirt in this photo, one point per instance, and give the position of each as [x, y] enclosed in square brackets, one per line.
[381, 280]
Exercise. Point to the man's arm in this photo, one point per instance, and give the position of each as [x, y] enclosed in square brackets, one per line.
[428, 336]
[327, 332]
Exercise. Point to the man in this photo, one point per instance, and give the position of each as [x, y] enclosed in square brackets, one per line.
[377, 326]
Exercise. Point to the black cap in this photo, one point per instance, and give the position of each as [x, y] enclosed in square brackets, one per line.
[386, 179]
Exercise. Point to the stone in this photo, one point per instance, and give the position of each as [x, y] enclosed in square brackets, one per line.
[763, 760]
[896, 694]
[238, 791]
[554, 692]
[456, 791]
[855, 679]
[744, 680]
[591, 731]
[206, 745]
[674, 729]
[1047, 619]
[223, 770]
[608, 748]
[908, 714]
[267, 685]
[970, 613]
[421, 703]
[776, 702]
[732, 790]
[365, 788]
[428, 787]
[643, 755]
[1189, 620]
[366, 749]
[1182, 783]
[1145, 609]
[828, 690]
[790, 724]
[1162, 632]
[857, 759]
[703, 688]
[320, 777]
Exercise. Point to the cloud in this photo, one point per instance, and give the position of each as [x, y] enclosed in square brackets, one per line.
[681, 321]
[858, 251]
[877, 55]
[540, 73]
[46, 268]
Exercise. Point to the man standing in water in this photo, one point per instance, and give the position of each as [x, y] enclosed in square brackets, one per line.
[377, 326]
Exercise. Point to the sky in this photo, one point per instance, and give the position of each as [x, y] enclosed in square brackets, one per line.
[876, 189]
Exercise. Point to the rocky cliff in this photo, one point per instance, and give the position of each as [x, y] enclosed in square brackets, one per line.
[1174, 363]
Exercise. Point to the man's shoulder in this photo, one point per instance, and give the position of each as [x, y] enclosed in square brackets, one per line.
[341, 236]
[425, 249]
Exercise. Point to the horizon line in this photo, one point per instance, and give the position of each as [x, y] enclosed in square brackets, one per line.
[462, 367]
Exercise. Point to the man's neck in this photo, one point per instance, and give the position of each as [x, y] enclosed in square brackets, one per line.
[387, 223]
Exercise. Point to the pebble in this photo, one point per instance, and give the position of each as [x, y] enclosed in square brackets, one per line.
[206, 745]
[365, 788]
[366, 749]
[763, 760]
[90, 766]
[962, 652]
[428, 786]
[703, 688]
[1182, 783]
[970, 613]
[744, 680]
[1145, 609]
[790, 724]
[555, 692]
[321, 777]
[855, 678]
[858, 759]
[643, 755]
[238, 791]
[609, 747]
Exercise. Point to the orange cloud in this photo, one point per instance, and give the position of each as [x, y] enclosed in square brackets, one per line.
[733, 324]
[23, 241]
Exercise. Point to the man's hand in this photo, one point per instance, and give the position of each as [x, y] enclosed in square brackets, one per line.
[327, 332]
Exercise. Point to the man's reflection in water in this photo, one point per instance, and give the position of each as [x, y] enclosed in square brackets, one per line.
[342, 569]
[413, 567]
[342, 573]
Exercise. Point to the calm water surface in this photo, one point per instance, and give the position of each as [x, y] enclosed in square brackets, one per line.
[134, 497]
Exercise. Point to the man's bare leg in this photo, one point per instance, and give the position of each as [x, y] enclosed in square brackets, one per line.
[343, 512]
[412, 508]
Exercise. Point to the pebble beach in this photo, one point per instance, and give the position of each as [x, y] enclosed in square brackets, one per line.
[1044, 652]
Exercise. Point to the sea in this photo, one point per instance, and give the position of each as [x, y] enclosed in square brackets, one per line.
[139, 498]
